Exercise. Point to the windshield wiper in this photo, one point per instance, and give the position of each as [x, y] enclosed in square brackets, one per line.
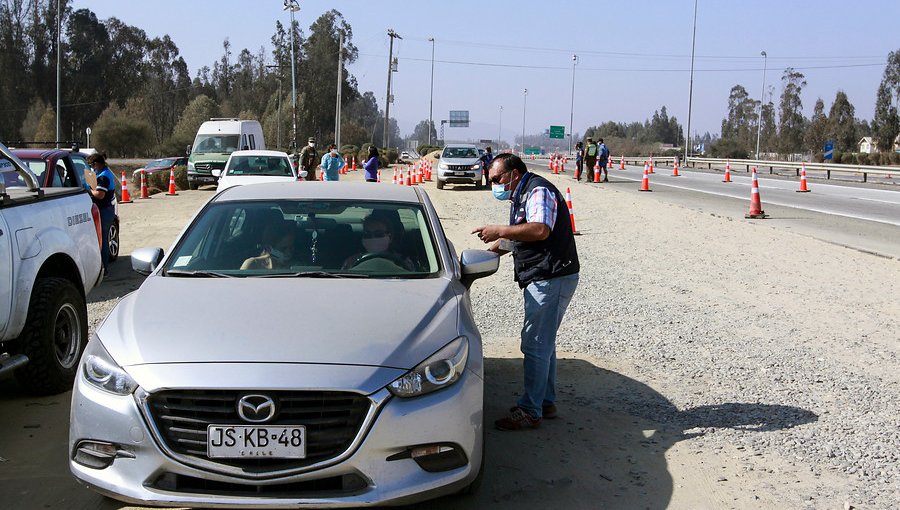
[196, 274]
[316, 274]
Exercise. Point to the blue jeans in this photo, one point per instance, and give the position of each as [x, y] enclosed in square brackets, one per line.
[545, 305]
[107, 216]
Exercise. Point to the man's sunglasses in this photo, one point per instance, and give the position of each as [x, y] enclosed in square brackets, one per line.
[496, 180]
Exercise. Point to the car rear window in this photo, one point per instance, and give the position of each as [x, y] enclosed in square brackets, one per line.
[293, 238]
[277, 166]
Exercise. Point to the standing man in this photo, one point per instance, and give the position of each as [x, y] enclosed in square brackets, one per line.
[309, 158]
[545, 264]
[590, 158]
[486, 163]
[603, 160]
[332, 164]
[579, 160]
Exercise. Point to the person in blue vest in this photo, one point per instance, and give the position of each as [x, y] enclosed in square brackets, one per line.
[332, 164]
[103, 195]
[546, 267]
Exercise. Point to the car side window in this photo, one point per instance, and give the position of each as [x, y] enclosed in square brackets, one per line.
[58, 175]
[80, 165]
[252, 142]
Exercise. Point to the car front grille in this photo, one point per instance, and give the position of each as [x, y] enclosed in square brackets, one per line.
[206, 167]
[332, 421]
[459, 167]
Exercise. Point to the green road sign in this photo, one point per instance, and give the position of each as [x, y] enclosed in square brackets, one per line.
[533, 150]
[557, 131]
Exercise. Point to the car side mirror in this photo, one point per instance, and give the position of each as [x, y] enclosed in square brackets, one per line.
[303, 174]
[187, 151]
[145, 260]
[478, 264]
[216, 172]
[437, 156]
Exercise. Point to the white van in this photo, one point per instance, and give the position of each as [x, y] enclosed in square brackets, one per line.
[215, 141]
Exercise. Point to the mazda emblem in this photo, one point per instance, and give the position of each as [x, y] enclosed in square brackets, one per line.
[256, 408]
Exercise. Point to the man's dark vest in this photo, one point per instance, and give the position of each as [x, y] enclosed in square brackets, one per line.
[552, 257]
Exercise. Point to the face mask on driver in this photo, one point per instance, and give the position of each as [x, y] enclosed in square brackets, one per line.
[376, 244]
[500, 192]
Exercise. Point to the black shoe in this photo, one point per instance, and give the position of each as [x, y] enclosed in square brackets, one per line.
[605, 180]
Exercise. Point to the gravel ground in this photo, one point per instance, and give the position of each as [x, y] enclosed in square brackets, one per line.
[757, 338]
[775, 347]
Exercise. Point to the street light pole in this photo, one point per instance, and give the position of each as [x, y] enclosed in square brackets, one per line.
[572, 111]
[500, 129]
[293, 6]
[687, 136]
[524, 103]
[762, 96]
[431, 102]
[58, 73]
[340, 80]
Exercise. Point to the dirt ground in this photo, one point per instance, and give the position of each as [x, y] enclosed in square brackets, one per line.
[596, 455]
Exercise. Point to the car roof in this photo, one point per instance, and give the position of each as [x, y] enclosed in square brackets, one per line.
[306, 190]
[41, 153]
[461, 145]
[260, 153]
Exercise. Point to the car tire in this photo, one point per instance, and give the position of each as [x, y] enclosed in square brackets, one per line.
[478, 185]
[193, 185]
[113, 237]
[439, 183]
[54, 337]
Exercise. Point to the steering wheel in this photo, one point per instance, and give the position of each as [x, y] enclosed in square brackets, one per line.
[387, 255]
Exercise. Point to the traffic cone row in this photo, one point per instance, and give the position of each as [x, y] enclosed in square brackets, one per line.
[126, 198]
[571, 210]
[803, 188]
[756, 211]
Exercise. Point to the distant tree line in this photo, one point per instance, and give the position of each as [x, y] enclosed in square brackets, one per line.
[137, 95]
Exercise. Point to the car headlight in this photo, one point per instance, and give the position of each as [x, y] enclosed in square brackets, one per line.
[444, 166]
[190, 166]
[476, 166]
[440, 370]
[99, 369]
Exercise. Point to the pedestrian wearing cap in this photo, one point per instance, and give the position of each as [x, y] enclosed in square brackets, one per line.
[545, 264]
[309, 158]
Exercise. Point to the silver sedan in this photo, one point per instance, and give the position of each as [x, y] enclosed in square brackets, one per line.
[318, 348]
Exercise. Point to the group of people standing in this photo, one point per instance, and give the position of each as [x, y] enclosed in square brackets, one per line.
[332, 163]
[591, 156]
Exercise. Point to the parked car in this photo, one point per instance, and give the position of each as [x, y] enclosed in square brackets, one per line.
[216, 139]
[251, 167]
[459, 164]
[287, 398]
[163, 164]
[64, 168]
[49, 262]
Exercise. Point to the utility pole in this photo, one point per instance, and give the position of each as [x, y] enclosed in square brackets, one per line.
[500, 128]
[762, 96]
[524, 103]
[340, 80]
[687, 136]
[58, 67]
[293, 6]
[431, 102]
[389, 99]
[572, 111]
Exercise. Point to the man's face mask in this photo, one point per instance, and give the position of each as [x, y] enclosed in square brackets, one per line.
[334, 152]
[312, 144]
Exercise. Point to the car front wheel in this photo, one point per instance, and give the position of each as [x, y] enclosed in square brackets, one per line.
[439, 183]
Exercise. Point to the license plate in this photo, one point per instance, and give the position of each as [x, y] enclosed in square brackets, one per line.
[240, 441]
[451, 173]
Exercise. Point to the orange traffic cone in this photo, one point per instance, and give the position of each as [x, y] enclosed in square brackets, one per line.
[651, 165]
[727, 171]
[379, 176]
[571, 211]
[408, 177]
[597, 172]
[562, 166]
[126, 198]
[550, 164]
[675, 169]
[554, 166]
[145, 193]
[172, 191]
[609, 165]
[354, 163]
[803, 188]
[756, 211]
[622, 163]
[645, 183]
[394, 178]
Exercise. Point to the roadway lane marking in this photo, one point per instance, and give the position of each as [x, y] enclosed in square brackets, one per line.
[876, 200]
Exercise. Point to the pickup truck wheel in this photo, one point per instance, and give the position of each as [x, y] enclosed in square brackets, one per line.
[54, 337]
[113, 240]
[193, 185]
[440, 183]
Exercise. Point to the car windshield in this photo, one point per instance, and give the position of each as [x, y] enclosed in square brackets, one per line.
[10, 178]
[307, 238]
[216, 143]
[459, 152]
[259, 165]
[159, 163]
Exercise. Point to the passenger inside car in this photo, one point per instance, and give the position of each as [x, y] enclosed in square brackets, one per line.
[277, 250]
[382, 246]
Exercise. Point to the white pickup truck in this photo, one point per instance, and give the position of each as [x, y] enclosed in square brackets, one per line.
[49, 262]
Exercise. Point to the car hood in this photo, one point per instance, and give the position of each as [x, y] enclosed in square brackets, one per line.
[240, 180]
[460, 161]
[372, 322]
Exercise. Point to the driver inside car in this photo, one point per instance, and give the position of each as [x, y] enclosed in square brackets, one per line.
[380, 242]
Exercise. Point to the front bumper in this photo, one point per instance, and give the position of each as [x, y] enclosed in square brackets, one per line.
[195, 176]
[460, 176]
[143, 472]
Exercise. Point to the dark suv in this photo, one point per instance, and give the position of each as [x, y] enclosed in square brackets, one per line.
[62, 168]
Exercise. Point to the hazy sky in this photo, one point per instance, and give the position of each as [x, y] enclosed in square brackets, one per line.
[634, 56]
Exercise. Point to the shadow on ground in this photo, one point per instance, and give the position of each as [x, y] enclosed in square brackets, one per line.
[595, 455]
